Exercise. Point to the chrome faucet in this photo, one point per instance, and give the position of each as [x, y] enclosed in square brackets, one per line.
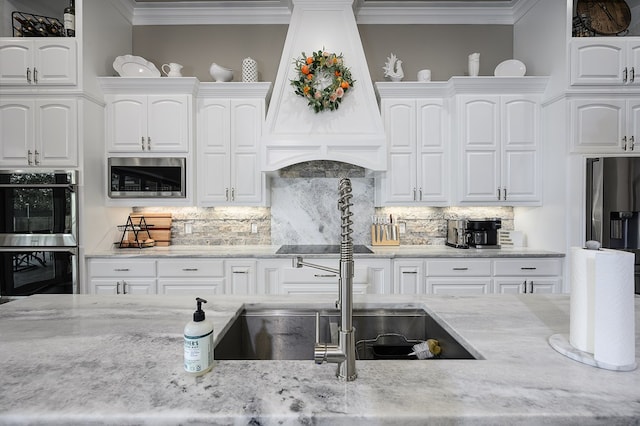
[344, 353]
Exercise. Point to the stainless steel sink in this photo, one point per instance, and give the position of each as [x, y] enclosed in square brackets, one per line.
[289, 334]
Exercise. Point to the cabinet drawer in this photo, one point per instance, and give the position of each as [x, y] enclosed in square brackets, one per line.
[458, 268]
[122, 268]
[312, 275]
[184, 268]
[527, 267]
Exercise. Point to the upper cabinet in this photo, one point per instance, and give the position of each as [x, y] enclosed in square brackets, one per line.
[605, 61]
[38, 62]
[229, 126]
[149, 116]
[417, 128]
[499, 149]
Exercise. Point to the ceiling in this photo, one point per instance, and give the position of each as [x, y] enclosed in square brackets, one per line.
[185, 12]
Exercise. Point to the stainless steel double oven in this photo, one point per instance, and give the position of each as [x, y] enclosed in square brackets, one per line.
[38, 232]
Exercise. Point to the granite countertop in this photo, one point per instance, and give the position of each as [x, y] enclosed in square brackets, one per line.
[269, 251]
[106, 360]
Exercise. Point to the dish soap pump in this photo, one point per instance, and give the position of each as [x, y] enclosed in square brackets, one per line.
[198, 343]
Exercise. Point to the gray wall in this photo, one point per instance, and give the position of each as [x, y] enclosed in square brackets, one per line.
[441, 48]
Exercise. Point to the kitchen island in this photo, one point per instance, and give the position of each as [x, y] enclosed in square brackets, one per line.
[107, 360]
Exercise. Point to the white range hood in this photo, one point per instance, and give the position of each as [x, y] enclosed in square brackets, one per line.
[293, 132]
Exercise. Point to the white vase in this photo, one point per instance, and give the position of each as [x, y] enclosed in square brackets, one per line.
[249, 70]
[474, 64]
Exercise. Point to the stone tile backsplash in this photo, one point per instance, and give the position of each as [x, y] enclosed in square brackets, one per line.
[304, 210]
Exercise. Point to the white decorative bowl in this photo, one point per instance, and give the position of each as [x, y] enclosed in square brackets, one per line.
[510, 68]
[219, 73]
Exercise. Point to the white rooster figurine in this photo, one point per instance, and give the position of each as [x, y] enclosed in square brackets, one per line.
[393, 68]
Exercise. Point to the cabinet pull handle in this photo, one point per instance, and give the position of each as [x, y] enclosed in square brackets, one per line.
[124, 287]
[35, 156]
[410, 272]
[28, 75]
[325, 275]
[531, 287]
[148, 143]
[528, 268]
[121, 269]
[633, 75]
[118, 287]
[142, 142]
[233, 194]
[632, 139]
[420, 191]
[461, 269]
[35, 75]
[242, 272]
[498, 193]
[414, 194]
[190, 269]
[29, 159]
[624, 143]
[226, 194]
[524, 286]
[624, 75]
[504, 194]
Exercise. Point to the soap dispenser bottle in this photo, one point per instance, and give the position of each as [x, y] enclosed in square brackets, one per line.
[198, 343]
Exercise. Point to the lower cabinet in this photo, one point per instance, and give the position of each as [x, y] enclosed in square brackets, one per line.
[528, 276]
[118, 276]
[194, 277]
[459, 276]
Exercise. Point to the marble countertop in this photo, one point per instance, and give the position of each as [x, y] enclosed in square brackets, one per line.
[269, 251]
[106, 360]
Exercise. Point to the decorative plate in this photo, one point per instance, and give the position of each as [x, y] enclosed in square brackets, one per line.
[510, 68]
[135, 66]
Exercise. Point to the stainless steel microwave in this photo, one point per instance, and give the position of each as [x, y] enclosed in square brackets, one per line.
[146, 177]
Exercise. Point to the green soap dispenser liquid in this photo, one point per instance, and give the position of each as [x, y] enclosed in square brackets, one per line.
[198, 343]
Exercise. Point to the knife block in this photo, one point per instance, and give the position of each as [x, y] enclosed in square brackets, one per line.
[381, 235]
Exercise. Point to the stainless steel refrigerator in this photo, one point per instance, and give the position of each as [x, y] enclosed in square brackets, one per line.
[613, 205]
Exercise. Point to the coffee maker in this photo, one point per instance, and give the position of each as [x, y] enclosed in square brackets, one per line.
[483, 233]
[457, 233]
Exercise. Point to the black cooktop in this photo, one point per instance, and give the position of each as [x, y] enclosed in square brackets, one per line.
[319, 249]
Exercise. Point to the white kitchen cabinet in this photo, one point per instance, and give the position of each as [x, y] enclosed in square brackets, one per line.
[499, 149]
[458, 276]
[240, 275]
[409, 276]
[228, 152]
[38, 62]
[38, 132]
[605, 61]
[189, 276]
[118, 276]
[279, 276]
[528, 275]
[418, 155]
[148, 123]
[605, 125]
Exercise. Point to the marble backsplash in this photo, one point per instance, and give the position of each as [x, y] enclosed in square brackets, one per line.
[304, 210]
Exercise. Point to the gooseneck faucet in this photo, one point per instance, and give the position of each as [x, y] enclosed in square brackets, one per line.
[344, 353]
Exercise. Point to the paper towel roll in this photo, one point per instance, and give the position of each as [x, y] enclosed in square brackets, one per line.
[581, 302]
[602, 315]
[614, 319]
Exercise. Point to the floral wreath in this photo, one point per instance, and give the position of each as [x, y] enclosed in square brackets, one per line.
[322, 79]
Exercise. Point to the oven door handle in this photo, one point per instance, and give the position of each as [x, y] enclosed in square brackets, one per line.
[69, 186]
[72, 250]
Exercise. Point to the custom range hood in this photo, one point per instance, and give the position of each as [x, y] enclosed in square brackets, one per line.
[293, 132]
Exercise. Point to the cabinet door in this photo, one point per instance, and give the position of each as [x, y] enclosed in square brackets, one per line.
[633, 126]
[597, 61]
[518, 285]
[16, 57]
[168, 126]
[213, 152]
[599, 125]
[431, 136]
[521, 180]
[480, 134]
[56, 134]
[126, 123]
[122, 286]
[240, 276]
[247, 181]
[17, 120]
[408, 277]
[55, 62]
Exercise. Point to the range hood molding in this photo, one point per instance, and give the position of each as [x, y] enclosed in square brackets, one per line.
[293, 132]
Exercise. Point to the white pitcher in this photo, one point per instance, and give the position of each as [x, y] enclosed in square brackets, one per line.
[175, 70]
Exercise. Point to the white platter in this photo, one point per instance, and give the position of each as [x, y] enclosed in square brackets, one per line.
[135, 66]
[510, 68]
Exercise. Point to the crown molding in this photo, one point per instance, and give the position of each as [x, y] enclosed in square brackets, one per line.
[221, 12]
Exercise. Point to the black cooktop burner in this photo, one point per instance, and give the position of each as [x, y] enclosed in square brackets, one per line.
[319, 249]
